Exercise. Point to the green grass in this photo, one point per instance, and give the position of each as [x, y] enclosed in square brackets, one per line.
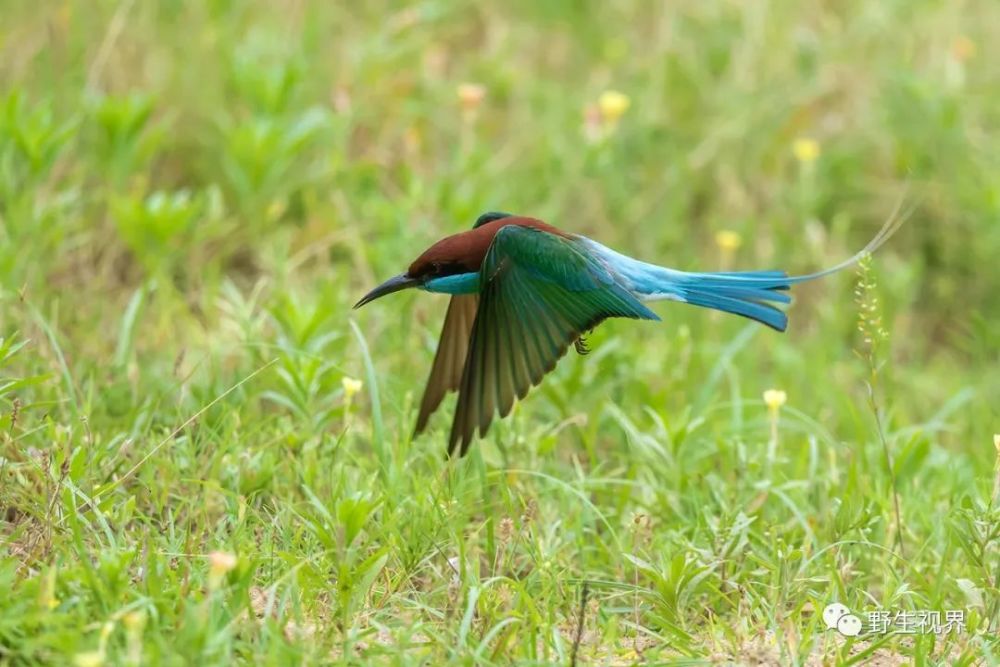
[193, 194]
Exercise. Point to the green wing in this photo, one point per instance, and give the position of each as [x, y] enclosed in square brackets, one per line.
[453, 347]
[539, 292]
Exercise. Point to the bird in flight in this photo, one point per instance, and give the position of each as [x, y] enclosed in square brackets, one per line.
[523, 291]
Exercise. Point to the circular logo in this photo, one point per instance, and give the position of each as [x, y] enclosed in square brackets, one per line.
[833, 613]
[849, 625]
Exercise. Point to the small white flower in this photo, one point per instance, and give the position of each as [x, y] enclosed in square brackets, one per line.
[351, 386]
[774, 399]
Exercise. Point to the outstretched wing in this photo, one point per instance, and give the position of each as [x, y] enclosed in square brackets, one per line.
[453, 346]
[538, 293]
[446, 372]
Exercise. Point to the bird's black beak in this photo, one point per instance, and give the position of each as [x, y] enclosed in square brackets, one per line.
[395, 284]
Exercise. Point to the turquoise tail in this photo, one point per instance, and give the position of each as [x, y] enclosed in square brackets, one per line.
[745, 293]
[751, 293]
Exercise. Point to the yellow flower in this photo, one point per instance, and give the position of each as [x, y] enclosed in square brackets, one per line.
[963, 48]
[774, 399]
[728, 240]
[89, 659]
[47, 593]
[134, 621]
[276, 209]
[220, 562]
[806, 150]
[470, 96]
[351, 387]
[996, 442]
[613, 105]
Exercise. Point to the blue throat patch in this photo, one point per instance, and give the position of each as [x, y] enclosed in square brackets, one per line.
[460, 283]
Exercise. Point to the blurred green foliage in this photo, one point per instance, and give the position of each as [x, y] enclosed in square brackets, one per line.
[193, 191]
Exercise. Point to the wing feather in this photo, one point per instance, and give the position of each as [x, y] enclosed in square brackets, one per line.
[449, 360]
[538, 293]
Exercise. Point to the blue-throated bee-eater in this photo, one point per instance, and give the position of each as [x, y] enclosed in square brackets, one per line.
[523, 291]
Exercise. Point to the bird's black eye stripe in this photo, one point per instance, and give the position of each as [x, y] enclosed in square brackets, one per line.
[439, 269]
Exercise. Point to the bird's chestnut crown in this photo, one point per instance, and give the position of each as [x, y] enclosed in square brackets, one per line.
[454, 255]
[459, 253]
